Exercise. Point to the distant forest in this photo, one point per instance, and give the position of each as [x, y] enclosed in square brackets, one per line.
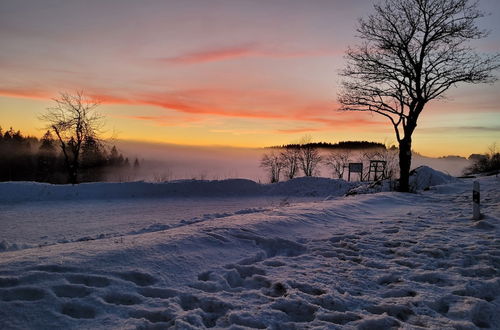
[26, 158]
[351, 145]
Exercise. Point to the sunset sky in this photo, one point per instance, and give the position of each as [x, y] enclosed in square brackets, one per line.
[244, 73]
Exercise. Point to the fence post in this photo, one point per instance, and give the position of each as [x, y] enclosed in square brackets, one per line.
[476, 214]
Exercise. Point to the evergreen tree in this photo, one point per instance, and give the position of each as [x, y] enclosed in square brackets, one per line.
[46, 158]
[113, 159]
[93, 160]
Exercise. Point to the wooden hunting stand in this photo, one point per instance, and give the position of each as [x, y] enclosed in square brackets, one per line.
[377, 167]
[355, 168]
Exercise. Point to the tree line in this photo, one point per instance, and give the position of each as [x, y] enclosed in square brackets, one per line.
[292, 160]
[27, 158]
[351, 145]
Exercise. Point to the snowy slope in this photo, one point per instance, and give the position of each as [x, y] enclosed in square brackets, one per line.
[32, 224]
[371, 261]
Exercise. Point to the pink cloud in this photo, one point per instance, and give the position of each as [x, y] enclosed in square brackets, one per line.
[195, 103]
[243, 51]
[212, 55]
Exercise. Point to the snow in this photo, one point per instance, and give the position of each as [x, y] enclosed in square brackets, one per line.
[424, 177]
[368, 261]
[42, 223]
[13, 192]
[421, 178]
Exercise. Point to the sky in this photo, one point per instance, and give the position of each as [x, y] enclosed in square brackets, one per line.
[241, 73]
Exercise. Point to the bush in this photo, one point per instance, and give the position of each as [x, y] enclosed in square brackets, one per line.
[486, 163]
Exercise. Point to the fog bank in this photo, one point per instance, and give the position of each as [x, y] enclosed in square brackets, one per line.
[163, 162]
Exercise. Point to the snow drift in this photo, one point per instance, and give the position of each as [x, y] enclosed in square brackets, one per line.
[32, 191]
[421, 178]
[374, 261]
[424, 177]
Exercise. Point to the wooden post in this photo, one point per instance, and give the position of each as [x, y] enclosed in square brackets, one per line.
[476, 214]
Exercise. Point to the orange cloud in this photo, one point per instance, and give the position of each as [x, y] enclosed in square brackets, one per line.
[25, 93]
[167, 121]
[301, 130]
[266, 105]
[228, 53]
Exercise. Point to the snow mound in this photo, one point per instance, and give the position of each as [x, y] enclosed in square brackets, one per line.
[424, 177]
[421, 178]
[34, 191]
[311, 186]
[372, 188]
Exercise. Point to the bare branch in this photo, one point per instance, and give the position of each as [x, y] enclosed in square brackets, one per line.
[73, 119]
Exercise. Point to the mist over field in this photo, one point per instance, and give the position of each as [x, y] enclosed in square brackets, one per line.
[164, 162]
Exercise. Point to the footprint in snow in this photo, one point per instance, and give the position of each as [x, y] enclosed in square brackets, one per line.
[88, 280]
[78, 310]
[71, 291]
[140, 279]
[122, 299]
[22, 294]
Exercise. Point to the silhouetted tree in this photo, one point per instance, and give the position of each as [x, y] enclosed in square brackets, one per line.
[27, 158]
[412, 52]
[113, 158]
[73, 119]
[93, 159]
[47, 142]
[309, 156]
[46, 158]
[16, 159]
[340, 145]
[338, 161]
[8, 135]
[290, 159]
[486, 163]
[272, 162]
[116, 159]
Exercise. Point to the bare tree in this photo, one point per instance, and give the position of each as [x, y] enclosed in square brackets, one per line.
[412, 52]
[273, 163]
[290, 158]
[73, 120]
[337, 161]
[309, 158]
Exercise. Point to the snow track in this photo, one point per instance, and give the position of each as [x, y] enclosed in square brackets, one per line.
[363, 262]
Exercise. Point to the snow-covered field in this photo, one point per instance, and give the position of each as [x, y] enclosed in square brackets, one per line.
[295, 255]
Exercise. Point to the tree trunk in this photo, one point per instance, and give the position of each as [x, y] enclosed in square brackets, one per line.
[404, 164]
[72, 174]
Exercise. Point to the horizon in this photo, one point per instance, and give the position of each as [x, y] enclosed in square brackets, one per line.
[178, 75]
[160, 144]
